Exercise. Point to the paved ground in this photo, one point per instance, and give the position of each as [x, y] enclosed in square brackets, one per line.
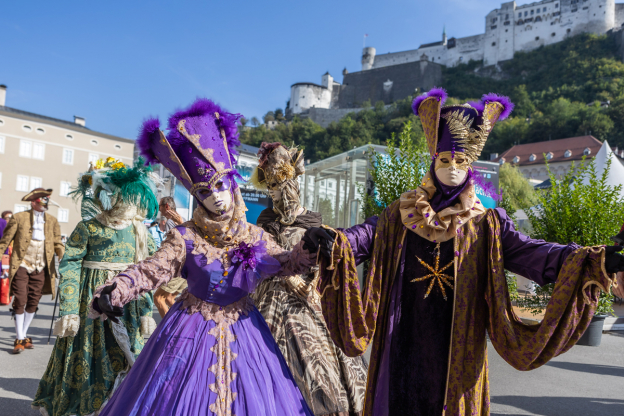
[585, 381]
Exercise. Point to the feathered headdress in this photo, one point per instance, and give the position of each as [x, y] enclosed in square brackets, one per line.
[459, 127]
[110, 181]
[277, 163]
[200, 147]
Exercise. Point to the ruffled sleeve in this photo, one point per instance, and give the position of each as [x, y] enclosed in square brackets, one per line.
[149, 274]
[297, 261]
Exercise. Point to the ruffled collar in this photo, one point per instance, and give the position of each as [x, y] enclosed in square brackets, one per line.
[224, 230]
[418, 215]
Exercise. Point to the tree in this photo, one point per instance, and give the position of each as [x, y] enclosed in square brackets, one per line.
[574, 211]
[279, 114]
[396, 172]
[270, 116]
[516, 189]
[255, 122]
[243, 121]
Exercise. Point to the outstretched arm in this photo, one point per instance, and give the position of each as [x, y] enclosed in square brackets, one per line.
[362, 238]
[536, 260]
[147, 275]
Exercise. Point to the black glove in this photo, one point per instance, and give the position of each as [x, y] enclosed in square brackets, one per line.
[315, 238]
[103, 304]
[614, 261]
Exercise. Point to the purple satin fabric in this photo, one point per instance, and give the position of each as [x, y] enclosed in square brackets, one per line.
[171, 375]
[446, 196]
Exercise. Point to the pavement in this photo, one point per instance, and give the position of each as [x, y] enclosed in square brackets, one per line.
[585, 381]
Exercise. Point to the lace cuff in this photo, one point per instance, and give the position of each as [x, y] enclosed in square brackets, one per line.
[148, 326]
[67, 326]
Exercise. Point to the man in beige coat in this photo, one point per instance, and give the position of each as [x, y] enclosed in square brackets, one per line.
[36, 236]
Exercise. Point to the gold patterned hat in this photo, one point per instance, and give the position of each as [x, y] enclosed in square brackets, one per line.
[461, 128]
[277, 165]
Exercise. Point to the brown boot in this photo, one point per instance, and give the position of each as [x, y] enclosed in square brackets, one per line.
[17, 346]
[27, 342]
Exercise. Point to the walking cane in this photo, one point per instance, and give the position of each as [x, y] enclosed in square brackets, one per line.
[53, 313]
[56, 260]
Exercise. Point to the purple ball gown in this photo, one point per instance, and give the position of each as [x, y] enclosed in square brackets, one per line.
[213, 354]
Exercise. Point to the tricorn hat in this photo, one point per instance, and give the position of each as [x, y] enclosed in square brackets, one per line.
[36, 194]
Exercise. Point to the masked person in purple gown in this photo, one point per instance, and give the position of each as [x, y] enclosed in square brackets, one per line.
[213, 354]
[436, 280]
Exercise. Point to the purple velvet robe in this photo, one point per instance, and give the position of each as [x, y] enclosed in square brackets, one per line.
[418, 330]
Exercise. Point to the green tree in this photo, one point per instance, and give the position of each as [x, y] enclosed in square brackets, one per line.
[396, 172]
[269, 116]
[582, 208]
[516, 189]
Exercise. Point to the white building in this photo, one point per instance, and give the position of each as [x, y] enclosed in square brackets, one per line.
[511, 29]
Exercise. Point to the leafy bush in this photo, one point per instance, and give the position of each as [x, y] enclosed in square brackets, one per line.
[573, 211]
[396, 172]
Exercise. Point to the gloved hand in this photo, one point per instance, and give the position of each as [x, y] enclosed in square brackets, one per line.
[316, 237]
[614, 261]
[105, 306]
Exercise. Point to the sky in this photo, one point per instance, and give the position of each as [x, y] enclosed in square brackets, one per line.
[116, 62]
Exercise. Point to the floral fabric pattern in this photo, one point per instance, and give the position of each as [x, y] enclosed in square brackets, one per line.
[83, 368]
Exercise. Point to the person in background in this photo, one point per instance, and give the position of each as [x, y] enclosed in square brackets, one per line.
[158, 231]
[6, 215]
[37, 237]
[165, 296]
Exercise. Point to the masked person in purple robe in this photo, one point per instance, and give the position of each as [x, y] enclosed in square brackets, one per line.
[213, 353]
[436, 280]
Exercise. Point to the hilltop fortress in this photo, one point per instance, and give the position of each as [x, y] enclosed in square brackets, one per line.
[509, 29]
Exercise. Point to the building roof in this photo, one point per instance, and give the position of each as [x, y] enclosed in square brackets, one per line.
[428, 45]
[25, 115]
[307, 83]
[558, 148]
[248, 149]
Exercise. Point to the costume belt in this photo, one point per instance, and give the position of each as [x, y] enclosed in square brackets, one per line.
[113, 268]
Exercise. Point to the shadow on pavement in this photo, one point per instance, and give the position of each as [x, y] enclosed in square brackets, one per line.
[559, 406]
[604, 370]
[23, 386]
[17, 407]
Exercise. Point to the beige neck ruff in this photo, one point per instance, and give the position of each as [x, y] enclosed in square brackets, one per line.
[418, 216]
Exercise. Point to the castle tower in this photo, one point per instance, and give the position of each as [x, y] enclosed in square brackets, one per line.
[444, 40]
[327, 81]
[368, 58]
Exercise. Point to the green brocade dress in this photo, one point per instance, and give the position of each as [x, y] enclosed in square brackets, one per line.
[82, 370]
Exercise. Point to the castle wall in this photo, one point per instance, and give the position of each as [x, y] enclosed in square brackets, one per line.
[308, 95]
[325, 116]
[388, 84]
[619, 16]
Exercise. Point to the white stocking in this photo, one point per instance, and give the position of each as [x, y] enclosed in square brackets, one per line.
[19, 325]
[28, 317]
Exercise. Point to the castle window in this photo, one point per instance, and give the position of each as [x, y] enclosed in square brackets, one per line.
[556, 5]
[552, 34]
[526, 14]
[520, 16]
[568, 30]
[538, 19]
[493, 27]
[536, 37]
[506, 17]
[532, 158]
[493, 43]
[537, 11]
[532, 12]
[507, 23]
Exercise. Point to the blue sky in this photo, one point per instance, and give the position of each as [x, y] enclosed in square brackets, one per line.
[116, 62]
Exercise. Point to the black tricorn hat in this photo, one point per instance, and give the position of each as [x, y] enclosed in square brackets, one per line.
[36, 194]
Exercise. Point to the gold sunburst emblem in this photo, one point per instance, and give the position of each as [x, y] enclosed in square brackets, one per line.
[436, 275]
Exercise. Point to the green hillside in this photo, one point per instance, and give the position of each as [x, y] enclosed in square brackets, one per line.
[551, 87]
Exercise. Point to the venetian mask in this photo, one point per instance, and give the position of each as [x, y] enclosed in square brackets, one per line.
[217, 199]
[451, 168]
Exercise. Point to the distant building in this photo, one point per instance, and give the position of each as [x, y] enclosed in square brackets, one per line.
[531, 157]
[39, 151]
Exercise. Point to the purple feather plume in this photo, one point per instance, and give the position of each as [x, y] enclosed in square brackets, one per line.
[508, 106]
[487, 187]
[477, 105]
[147, 137]
[435, 92]
[203, 106]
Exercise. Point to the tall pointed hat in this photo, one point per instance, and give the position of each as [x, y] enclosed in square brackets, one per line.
[200, 148]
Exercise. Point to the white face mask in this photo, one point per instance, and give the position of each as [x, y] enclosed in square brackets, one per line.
[218, 202]
[451, 169]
